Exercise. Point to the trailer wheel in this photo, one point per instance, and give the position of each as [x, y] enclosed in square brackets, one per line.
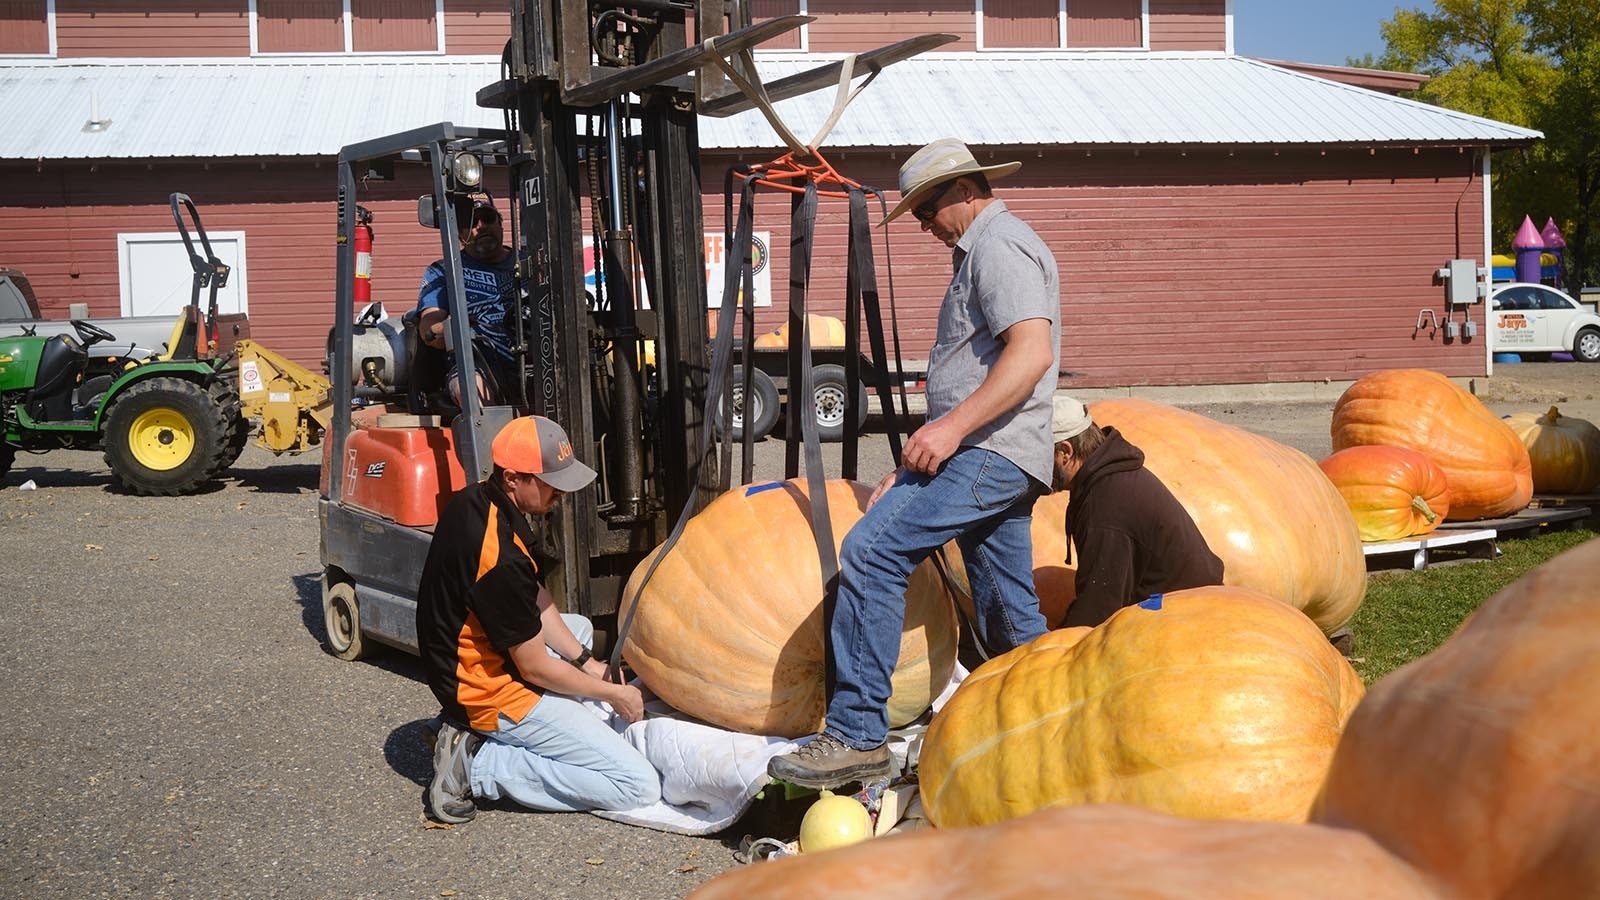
[165, 436]
[762, 409]
[829, 393]
[342, 616]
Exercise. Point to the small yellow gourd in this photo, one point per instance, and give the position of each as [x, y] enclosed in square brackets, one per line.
[834, 821]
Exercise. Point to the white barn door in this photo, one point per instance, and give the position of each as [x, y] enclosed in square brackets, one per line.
[156, 278]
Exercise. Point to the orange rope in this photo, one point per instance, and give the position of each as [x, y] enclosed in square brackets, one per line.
[782, 173]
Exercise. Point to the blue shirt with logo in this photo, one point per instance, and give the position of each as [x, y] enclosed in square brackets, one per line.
[488, 287]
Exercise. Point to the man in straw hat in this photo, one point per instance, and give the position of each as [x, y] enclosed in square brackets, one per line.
[505, 664]
[1133, 538]
[971, 474]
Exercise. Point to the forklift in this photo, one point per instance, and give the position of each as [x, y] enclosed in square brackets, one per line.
[600, 102]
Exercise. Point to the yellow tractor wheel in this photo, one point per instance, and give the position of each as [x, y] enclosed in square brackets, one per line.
[166, 435]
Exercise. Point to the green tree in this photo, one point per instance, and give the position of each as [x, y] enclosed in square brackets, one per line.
[1534, 63]
[1569, 115]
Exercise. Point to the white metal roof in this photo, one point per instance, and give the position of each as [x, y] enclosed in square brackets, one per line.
[208, 108]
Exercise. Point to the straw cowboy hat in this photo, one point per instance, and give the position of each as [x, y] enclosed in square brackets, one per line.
[933, 165]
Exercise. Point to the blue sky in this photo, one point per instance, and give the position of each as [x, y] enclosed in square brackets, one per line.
[1314, 31]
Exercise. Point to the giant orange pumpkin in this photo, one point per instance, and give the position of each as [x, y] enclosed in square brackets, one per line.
[730, 630]
[1565, 452]
[1480, 762]
[1210, 702]
[1264, 508]
[1484, 461]
[1394, 492]
[1088, 851]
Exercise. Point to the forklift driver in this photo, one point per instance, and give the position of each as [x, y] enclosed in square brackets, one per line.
[487, 273]
[506, 666]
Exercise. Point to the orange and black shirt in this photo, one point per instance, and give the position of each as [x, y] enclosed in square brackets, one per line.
[478, 598]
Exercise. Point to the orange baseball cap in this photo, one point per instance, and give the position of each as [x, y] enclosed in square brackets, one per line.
[538, 446]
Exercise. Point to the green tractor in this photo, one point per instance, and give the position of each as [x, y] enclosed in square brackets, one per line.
[168, 422]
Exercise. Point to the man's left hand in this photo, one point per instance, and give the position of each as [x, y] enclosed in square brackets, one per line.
[931, 445]
[596, 667]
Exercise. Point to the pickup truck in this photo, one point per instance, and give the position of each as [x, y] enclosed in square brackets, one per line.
[137, 336]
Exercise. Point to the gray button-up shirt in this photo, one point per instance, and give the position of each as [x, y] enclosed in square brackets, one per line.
[1004, 274]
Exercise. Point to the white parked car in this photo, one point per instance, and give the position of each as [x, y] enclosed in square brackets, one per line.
[1537, 320]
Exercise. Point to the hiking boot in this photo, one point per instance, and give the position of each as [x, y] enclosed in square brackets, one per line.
[828, 762]
[449, 797]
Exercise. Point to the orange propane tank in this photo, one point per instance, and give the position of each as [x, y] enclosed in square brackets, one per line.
[405, 474]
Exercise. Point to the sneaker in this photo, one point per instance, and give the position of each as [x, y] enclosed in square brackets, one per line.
[449, 797]
[828, 762]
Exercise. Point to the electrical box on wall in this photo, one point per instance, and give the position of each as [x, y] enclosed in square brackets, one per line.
[1462, 280]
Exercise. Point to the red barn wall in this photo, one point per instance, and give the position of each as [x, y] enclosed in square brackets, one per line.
[1200, 269]
[1197, 269]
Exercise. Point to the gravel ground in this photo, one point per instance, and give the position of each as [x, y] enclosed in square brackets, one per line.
[178, 729]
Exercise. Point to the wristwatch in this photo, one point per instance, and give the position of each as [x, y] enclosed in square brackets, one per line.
[581, 658]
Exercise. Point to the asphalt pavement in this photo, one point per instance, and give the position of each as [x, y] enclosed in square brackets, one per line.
[176, 728]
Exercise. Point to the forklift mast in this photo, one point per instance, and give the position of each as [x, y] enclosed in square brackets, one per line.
[600, 101]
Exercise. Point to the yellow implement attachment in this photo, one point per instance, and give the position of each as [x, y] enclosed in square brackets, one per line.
[292, 401]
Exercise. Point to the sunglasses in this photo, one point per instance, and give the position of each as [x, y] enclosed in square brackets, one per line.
[927, 209]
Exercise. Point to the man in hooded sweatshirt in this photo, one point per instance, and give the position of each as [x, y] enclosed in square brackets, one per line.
[1133, 539]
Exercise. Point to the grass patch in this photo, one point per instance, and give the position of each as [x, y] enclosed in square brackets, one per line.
[1408, 614]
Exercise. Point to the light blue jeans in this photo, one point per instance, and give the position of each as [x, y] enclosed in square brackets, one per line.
[561, 758]
[983, 502]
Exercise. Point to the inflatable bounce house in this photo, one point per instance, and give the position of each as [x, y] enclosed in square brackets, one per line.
[1538, 255]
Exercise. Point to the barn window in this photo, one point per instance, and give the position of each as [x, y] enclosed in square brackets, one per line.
[346, 26]
[395, 26]
[27, 28]
[761, 10]
[299, 26]
[1054, 24]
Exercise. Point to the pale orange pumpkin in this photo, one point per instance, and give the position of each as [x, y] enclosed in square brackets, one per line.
[1265, 509]
[730, 629]
[1394, 492]
[826, 331]
[1487, 466]
[1479, 763]
[1088, 851]
[1213, 702]
[1564, 452]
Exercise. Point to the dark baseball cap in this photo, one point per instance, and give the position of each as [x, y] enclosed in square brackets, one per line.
[467, 206]
[538, 446]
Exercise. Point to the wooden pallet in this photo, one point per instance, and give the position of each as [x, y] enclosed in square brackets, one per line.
[1479, 540]
[1480, 543]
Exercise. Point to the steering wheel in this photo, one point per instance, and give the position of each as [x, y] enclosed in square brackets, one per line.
[92, 333]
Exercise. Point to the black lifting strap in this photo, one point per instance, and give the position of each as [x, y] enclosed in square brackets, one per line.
[801, 230]
[861, 297]
[717, 396]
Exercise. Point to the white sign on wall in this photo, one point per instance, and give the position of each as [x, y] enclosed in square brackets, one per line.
[716, 255]
[155, 277]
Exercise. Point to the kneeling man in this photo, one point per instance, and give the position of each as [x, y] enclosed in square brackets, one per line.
[1133, 538]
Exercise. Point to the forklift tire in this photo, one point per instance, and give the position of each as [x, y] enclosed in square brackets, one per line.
[763, 408]
[165, 436]
[342, 617]
[829, 393]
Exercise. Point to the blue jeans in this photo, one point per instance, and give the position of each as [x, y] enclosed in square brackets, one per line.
[561, 758]
[983, 502]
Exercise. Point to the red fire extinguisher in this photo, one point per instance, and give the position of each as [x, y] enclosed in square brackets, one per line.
[363, 287]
